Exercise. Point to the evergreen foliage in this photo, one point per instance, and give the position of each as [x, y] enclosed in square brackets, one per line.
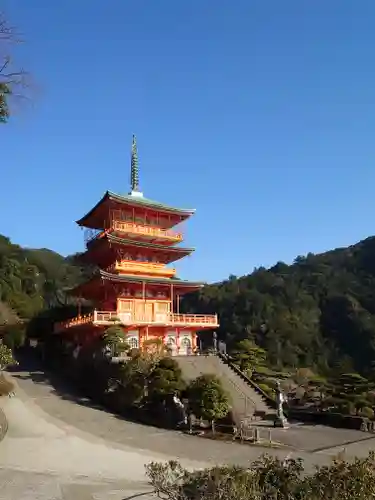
[207, 399]
[266, 479]
[318, 312]
[33, 280]
[6, 357]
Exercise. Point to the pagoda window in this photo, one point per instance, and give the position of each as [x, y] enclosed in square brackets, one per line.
[138, 294]
[185, 342]
[162, 307]
[150, 293]
[133, 343]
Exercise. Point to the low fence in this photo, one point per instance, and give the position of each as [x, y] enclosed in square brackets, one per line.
[245, 432]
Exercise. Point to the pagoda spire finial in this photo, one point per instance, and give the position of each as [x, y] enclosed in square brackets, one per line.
[134, 172]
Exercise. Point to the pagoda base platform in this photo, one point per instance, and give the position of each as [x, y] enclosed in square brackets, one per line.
[179, 341]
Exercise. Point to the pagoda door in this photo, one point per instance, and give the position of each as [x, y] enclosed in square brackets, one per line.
[144, 311]
[148, 312]
[125, 310]
[162, 312]
[185, 345]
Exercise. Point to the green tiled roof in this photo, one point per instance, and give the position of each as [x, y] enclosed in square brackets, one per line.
[143, 244]
[134, 279]
[136, 201]
[141, 200]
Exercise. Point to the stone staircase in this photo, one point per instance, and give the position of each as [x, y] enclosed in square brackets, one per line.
[246, 403]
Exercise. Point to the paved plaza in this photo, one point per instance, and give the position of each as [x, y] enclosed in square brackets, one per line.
[59, 446]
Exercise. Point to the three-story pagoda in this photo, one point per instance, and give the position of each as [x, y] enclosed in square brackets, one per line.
[131, 240]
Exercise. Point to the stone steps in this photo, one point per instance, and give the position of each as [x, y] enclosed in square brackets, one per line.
[245, 401]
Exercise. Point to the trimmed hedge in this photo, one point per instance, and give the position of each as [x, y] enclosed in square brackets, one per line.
[326, 418]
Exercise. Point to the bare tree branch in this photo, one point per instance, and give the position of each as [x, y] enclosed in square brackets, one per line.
[13, 81]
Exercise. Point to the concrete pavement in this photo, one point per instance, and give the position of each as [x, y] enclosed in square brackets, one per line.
[61, 447]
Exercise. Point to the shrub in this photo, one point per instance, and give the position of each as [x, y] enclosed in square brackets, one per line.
[14, 336]
[207, 398]
[266, 479]
[267, 389]
[166, 379]
[6, 386]
[367, 412]
[6, 357]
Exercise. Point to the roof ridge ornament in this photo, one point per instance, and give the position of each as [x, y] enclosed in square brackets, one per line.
[134, 170]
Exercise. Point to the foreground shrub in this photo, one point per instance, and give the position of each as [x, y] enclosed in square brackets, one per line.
[266, 479]
[6, 357]
[6, 386]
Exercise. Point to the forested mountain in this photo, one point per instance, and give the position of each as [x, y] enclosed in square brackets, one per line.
[318, 312]
[32, 280]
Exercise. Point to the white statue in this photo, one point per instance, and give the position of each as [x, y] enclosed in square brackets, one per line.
[281, 420]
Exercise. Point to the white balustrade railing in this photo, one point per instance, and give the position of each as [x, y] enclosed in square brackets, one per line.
[105, 317]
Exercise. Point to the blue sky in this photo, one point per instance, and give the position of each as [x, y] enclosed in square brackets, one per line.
[259, 114]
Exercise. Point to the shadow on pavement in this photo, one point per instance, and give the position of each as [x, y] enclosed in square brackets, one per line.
[139, 495]
[30, 368]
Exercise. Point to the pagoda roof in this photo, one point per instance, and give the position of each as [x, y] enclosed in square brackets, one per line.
[121, 278]
[134, 200]
[100, 274]
[174, 251]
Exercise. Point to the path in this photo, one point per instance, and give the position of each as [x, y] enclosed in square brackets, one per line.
[58, 401]
[64, 448]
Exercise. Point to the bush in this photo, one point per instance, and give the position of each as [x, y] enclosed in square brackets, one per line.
[6, 357]
[367, 412]
[266, 479]
[14, 336]
[6, 386]
[166, 379]
[267, 389]
[207, 399]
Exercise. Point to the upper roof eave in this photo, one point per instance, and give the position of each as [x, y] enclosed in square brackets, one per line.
[104, 275]
[143, 244]
[118, 277]
[138, 202]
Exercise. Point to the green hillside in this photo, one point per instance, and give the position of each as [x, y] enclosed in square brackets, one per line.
[317, 313]
[32, 280]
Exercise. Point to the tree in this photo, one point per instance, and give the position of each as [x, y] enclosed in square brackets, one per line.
[114, 338]
[6, 357]
[208, 399]
[136, 377]
[248, 356]
[153, 350]
[166, 379]
[14, 336]
[13, 81]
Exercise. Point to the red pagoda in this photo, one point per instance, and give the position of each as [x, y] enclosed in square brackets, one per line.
[130, 239]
